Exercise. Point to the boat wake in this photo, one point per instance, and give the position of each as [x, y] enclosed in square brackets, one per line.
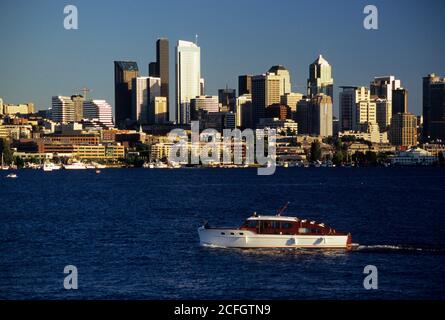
[399, 248]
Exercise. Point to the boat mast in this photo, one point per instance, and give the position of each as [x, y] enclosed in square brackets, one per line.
[282, 209]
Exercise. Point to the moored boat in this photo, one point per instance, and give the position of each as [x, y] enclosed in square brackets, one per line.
[75, 166]
[49, 166]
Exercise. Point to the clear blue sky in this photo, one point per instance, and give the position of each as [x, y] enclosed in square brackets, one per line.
[39, 58]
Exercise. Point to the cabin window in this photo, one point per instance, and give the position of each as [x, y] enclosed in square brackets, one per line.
[232, 233]
[304, 230]
[266, 224]
[241, 233]
[223, 233]
[275, 225]
[252, 223]
[286, 225]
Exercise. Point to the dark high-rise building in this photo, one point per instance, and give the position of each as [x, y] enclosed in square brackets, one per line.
[280, 111]
[265, 91]
[160, 68]
[244, 84]
[227, 98]
[153, 69]
[162, 64]
[124, 72]
[399, 101]
[220, 121]
[433, 108]
[78, 107]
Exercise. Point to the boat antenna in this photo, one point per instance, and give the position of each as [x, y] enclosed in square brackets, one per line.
[282, 209]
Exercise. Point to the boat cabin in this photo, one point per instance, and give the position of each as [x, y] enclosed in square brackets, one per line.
[285, 225]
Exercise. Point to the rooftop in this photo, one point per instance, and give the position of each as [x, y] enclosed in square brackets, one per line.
[127, 65]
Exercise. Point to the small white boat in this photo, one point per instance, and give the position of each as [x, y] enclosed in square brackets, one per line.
[11, 176]
[75, 166]
[275, 232]
[49, 166]
[174, 165]
[98, 165]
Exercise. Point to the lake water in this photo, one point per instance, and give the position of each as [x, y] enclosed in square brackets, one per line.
[132, 233]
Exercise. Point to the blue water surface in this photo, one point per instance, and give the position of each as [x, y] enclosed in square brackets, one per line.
[132, 233]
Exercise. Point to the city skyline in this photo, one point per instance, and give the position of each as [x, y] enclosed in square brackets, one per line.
[87, 53]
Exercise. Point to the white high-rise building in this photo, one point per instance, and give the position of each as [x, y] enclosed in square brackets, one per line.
[62, 109]
[382, 87]
[1, 106]
[244, 111]
[285, 83]
[356, 108]
[384, 113]
[144, 91]
[206, 103]
[320, 78]
[188, 78]
[98, 110]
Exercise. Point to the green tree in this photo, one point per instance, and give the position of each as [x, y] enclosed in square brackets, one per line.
[315, 151]
[5, 149]
[338, 158]
[441, 159]
[19, 162]
[371, 157]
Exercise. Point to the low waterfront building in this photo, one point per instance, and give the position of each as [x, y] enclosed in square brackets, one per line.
[413, 157]
[16, 131]
[283, 126]
[22, 108]
[91, 139]
[99, 152]
[357, 147]
[371, 133]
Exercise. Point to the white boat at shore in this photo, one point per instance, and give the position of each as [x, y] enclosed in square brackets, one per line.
[75, 166]
[49, 166]
[12, 176]
[275, 232]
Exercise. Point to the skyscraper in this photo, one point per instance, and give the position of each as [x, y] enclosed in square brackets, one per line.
[157, 112]
[62, 109]
[356, 108]
[399, 101]
[244, 111]
[291, 99]
[124, 72]
[403, 130]
[160, 68]
[381, 91]
[265, 92]
[145, 89]
[321, 115]
[100, 110]
[163, 70]
[227, 99]
[78, 101]
[320, 78]
[433, 108]
[244, 85]
[188, 77]
[382, 87]
[153, 69]
[384, 113]
[314, 115]
[283, 73]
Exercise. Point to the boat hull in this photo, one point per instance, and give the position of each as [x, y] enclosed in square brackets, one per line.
[236, 238]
